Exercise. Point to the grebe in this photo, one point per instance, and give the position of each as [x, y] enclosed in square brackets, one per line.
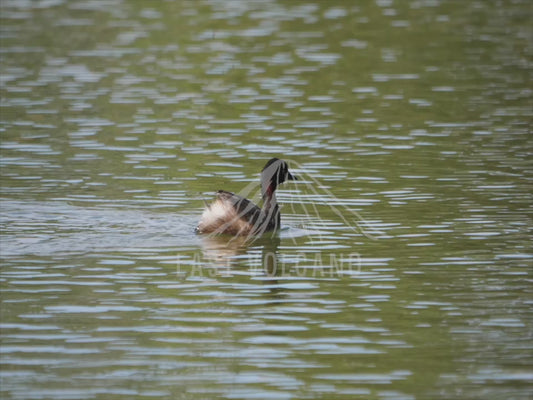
[234, 215]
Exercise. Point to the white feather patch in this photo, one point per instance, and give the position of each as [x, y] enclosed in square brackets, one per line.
[221, 217]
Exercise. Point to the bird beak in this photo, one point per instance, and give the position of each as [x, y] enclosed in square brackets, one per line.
[291, 177]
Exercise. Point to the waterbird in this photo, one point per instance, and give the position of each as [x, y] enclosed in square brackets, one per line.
[235, 215]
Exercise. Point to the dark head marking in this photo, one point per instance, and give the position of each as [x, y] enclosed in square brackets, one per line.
[274, 173]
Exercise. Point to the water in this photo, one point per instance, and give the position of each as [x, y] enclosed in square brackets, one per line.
[403, 270]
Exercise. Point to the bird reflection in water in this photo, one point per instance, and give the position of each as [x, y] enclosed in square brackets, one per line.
[227, 254]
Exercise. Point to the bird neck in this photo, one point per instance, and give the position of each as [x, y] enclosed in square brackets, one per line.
[270, 211]
[269, 197]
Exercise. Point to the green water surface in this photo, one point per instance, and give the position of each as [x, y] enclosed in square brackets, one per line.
[403, 269]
